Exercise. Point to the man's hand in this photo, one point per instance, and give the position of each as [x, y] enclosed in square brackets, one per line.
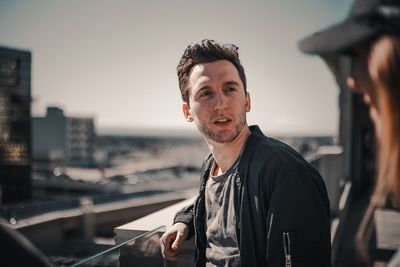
[171, 241]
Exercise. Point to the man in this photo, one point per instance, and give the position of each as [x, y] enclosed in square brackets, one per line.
[260, 203]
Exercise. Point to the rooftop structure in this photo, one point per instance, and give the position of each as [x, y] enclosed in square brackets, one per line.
[71, 142]
[15, 125]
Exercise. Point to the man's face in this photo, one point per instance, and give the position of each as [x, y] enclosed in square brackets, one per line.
[217, 101]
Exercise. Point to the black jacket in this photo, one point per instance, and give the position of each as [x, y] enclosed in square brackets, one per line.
[280, 196]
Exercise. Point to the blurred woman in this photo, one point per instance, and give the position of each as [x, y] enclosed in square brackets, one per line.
[371, 36]
[383, 97]
[376, 73]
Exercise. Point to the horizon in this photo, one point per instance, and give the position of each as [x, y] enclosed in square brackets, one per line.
[188, 132]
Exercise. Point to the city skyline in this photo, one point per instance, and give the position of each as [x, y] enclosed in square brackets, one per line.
[116, 60]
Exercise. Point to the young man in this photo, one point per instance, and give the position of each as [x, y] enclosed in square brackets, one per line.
[260, 203]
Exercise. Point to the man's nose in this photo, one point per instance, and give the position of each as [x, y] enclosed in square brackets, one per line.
[221, 102]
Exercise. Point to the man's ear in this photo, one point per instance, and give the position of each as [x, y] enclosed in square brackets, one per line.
[187, 112]
[248, 102]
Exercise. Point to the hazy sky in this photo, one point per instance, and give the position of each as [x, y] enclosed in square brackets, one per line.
[116, 59]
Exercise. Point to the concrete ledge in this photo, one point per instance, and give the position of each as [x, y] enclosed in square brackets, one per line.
[149, 222]
[100, 219]
[133, 254]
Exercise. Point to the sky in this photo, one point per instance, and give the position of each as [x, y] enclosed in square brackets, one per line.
[116, 60]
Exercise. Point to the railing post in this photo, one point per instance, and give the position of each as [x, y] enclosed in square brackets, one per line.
[87, 218]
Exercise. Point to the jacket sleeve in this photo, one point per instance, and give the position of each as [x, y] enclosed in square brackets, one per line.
[298, 220]
[186, 216]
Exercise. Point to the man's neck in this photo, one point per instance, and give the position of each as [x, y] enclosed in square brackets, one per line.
[225, 154]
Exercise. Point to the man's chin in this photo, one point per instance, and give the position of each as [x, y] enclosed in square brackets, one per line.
[222, 138]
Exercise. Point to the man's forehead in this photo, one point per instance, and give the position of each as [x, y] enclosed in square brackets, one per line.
[220, 69]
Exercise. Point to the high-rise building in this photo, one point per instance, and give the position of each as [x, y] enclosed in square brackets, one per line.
[15, 125]
[80, 136]
[60, 140]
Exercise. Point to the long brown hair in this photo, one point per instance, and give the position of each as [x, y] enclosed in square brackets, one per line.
[384, 70]
[384, 73]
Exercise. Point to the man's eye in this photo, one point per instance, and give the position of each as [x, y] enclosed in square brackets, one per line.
[205, 93]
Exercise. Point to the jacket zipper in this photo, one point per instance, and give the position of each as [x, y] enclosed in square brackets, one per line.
[238, 210]
[195, 230]
[286, 248]
[269, 232]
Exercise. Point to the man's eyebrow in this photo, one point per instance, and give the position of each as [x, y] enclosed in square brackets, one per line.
[231, 83]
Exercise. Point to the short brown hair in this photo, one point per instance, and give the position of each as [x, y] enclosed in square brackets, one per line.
[202, 52]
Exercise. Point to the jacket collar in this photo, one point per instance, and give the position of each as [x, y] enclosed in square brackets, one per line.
[255, 137]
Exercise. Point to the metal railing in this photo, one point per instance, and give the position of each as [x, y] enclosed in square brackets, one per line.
[141, 250]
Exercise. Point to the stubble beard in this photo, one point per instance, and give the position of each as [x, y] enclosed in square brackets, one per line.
[221, 136]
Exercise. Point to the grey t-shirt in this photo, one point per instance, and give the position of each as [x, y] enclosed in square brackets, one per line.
[222, 246]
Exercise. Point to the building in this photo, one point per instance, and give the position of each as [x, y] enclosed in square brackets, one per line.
[80, 145]
[15, 125]
[61, 140]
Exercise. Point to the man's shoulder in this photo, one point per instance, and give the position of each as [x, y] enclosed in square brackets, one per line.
[271, 149]
[269, 155]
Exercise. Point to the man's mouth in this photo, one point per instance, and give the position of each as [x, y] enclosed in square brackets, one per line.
[222, 121]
